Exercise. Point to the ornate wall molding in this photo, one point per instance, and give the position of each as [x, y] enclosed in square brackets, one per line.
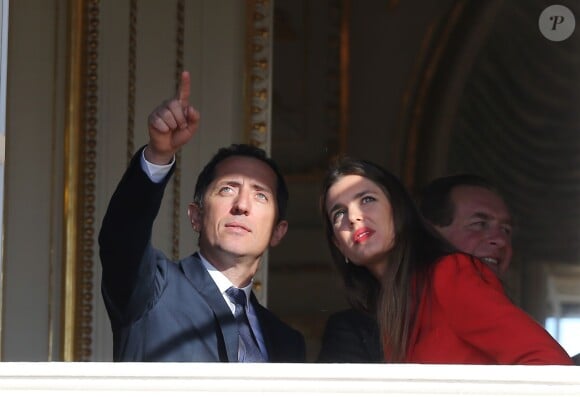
[87, 221]
[80, 176]
[131, 84]
[258, 72]
[176, 210]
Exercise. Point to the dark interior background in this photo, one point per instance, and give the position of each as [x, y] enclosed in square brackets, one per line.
[426, 89]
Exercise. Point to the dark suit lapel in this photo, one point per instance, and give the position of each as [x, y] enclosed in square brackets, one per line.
[263, 318]
[202, 282]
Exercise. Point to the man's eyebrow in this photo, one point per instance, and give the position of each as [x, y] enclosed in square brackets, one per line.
[261, 188]
[228, 181]
[486, 216]
[481, 215]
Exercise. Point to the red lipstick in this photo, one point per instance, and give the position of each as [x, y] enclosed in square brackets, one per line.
[362, 234]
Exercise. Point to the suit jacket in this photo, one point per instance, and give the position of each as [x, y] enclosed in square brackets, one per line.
[464, 317]
[351, 336]
[166, 311]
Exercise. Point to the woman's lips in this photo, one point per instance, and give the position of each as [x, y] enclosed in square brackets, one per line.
[362, 234]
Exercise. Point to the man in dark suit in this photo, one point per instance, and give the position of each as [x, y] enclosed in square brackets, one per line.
[190, 310]
[467, 211]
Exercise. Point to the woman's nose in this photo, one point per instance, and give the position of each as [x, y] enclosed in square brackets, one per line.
[354, 215]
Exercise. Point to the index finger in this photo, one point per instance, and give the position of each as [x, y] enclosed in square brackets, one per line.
[184, 89]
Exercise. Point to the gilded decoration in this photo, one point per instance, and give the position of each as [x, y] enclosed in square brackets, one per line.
[131, 86]
[176, 189]
[258, 70]
[80, 163]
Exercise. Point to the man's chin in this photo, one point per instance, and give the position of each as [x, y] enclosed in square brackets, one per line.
[493, 265]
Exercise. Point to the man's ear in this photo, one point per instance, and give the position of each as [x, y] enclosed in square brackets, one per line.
[278, 233]
[194, 213]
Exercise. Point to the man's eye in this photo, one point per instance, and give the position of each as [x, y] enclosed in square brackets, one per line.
[226, 190]
[262, 196]
[507, 230]
[478, 224]
[368, 199]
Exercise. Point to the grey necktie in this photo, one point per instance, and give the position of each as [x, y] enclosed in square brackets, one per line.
[248, 350]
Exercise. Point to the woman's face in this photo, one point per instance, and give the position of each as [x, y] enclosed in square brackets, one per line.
[362, 220]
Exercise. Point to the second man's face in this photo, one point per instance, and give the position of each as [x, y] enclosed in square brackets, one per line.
[481, 226]
[239, 214]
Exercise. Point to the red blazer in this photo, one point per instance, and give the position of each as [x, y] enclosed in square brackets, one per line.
[464, 317]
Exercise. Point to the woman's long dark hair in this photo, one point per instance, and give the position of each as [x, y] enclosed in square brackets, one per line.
[415, 249]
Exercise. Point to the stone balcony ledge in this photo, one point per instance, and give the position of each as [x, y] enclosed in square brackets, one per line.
[214, 379]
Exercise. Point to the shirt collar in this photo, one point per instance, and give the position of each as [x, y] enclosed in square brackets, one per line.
[222, 282]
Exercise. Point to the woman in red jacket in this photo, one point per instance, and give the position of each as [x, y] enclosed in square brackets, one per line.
[433, 305]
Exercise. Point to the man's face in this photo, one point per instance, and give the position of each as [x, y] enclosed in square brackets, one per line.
[481, 226]
[238, 218]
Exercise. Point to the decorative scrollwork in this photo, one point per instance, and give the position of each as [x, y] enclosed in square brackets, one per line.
[84, 328]
[258, 68]
[176, 210]
[131, 86]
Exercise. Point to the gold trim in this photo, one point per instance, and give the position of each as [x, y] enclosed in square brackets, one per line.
[257, 96]
[258, 71]
[84, 321]
[176, 210]
[72, 153]
[79, 182]
[131, 85]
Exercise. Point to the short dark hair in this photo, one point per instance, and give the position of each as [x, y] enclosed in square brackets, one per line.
[207, 175]
[435, 201]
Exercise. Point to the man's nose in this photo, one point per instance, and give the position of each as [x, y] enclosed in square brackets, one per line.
[242, 204]
[497, 236]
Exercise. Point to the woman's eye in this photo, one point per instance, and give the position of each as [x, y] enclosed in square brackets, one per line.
[337, 216]
[367, 199]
